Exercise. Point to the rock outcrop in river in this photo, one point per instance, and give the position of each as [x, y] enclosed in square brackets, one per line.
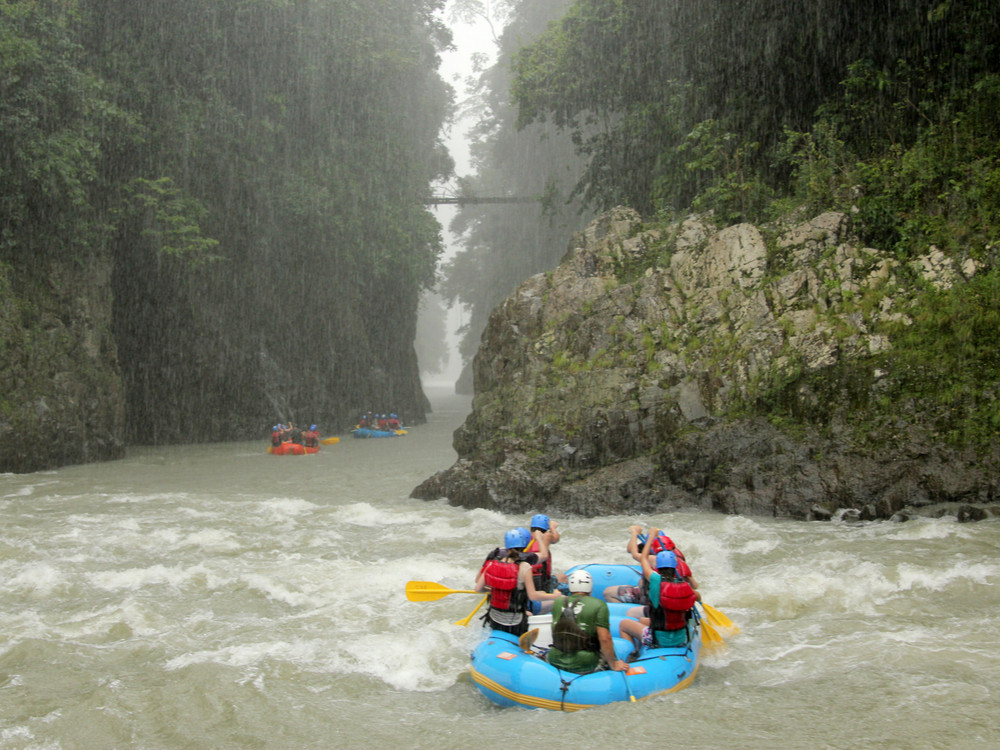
[636, 378]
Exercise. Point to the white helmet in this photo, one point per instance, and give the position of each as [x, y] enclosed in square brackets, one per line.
[580, 582]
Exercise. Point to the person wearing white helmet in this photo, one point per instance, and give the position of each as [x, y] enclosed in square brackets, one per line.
[507, 575]
[581, 630]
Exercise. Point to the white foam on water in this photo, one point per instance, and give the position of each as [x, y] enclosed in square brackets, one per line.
[211, 540]
[134, 579]
[249, 654]
[37, 580]
[933, 578]
[275, 590]
[419, 660]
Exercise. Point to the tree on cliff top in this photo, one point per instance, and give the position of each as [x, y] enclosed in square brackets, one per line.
[694, 101]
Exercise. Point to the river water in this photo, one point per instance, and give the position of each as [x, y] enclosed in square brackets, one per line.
[218, 597]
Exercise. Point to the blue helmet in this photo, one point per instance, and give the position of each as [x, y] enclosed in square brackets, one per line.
[313, 427]
[540, 521]
[518, 538]
[666, 560]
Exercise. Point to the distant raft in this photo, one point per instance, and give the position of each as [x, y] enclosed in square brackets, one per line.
[367, 432]
[511, 676]
[291, 449]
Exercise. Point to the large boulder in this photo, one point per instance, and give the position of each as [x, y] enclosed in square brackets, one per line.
[618, 382]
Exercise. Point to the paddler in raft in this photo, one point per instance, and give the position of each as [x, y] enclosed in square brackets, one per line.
[636, 547]
[581, 630]
[544, 533]
[507, 575]
[664, 622]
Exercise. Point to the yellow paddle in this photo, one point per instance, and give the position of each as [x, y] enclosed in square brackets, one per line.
[330, 441]
[527, 640]
[719, 620]
[711, 638]
[464, 622]
[428, 591]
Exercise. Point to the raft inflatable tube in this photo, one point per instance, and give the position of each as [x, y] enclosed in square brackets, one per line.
[508, 676]
[291, 449]
[367, 432]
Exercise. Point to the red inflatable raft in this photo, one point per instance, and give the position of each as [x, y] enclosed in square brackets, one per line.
[291, 449]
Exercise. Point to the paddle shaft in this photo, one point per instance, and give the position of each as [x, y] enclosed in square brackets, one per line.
[428, 591]
[468, 618]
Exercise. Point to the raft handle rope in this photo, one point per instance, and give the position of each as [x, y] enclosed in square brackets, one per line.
[564, 686]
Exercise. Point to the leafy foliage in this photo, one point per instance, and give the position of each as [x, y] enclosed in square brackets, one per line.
[884, 110]
[291, 143]
[691, 101]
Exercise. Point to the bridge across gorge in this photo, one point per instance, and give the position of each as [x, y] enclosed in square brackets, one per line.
[471, 200]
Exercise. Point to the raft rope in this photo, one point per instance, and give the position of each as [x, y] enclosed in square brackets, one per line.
[564, 686]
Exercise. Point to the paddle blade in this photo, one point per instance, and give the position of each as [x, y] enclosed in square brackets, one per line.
[428, 591]
[330, 441]
[527, 640]
[719, 620]
[464, 622]
[711, 639]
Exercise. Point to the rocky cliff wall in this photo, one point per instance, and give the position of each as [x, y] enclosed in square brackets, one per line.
[61, 397]
[630, 379]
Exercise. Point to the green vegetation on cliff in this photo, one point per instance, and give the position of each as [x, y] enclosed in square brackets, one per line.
[251, 175]
[886, 111]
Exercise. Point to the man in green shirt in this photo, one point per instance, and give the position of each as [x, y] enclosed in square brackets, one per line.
[581, 632]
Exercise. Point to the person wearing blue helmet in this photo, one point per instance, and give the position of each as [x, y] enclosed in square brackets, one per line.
[506, 574]
[639, 594]
[663, 623]
[544, 533]
[310, 437]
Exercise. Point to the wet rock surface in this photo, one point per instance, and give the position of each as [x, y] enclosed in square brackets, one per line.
[610, 384]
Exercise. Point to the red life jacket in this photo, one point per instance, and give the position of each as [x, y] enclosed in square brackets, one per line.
[676, 600]
[501, 577]
[276, 438]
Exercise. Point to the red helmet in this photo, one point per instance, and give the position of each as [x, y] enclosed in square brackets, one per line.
[662, 543]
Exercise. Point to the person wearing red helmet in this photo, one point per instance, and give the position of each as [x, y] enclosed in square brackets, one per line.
[639, 594]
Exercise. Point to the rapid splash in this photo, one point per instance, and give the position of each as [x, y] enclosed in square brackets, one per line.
[220, 598]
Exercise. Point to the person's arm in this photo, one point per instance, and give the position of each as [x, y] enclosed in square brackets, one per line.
[481, 580]
[524, 574]
[542, 542]
[633, 542]
[646, 560]
[553, 534]
[608, 650]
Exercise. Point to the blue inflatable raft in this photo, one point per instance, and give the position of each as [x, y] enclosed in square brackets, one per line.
[509, 676]
[367, 432]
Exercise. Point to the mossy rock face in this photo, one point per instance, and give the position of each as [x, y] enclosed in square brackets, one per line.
[62, 393]
[740, 370]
